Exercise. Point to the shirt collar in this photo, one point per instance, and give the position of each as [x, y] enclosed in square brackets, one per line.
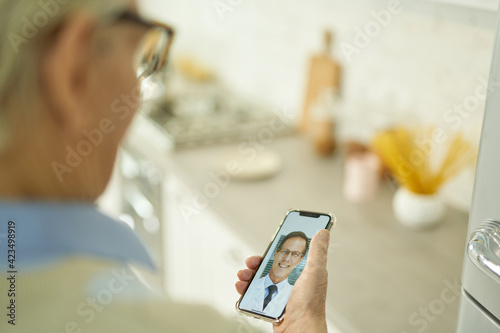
[280, 285]
[52, 231]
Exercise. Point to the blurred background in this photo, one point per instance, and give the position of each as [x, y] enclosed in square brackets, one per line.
[367, 109]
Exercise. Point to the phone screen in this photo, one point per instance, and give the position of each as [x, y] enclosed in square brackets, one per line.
[268, 292]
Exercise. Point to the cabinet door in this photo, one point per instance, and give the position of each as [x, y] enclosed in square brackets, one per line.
[474, 319]
[202, 254]
[481, 274]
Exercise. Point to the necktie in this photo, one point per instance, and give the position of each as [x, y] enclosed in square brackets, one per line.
[271, 289]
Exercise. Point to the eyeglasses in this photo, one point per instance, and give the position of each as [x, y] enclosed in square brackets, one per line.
[295, 254]
[154, 46]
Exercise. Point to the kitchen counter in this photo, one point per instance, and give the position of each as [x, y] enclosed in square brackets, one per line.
[382, 277]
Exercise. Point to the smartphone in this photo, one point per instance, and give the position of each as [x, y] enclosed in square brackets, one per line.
[267, 293]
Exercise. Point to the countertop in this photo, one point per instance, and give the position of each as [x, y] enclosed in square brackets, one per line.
[382, 277]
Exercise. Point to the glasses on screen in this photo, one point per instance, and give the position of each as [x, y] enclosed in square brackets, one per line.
[295, 254]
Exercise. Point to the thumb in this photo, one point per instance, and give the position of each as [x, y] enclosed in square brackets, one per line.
[318, 250]
[309, 293]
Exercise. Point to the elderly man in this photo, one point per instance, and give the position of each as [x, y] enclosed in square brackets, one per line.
[69, 88]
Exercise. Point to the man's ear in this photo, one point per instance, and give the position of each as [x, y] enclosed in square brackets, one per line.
[65, 72]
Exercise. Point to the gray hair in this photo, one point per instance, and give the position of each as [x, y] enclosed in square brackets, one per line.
[25, 28]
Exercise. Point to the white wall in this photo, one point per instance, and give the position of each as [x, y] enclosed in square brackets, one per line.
[428, 58]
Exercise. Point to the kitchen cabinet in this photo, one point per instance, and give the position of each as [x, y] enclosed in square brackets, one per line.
[480, 305]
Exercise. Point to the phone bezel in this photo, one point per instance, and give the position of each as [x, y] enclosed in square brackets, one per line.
[278, 320]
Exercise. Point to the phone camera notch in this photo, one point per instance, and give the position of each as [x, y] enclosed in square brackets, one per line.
[308, 214]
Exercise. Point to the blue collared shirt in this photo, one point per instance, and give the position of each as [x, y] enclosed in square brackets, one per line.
[49, 232]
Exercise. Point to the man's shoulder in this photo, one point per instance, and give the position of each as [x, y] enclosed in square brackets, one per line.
[258, 283]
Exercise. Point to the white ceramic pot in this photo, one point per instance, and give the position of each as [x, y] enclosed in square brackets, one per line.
[418, 211]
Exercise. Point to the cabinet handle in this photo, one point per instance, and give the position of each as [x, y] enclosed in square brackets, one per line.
[484, 248]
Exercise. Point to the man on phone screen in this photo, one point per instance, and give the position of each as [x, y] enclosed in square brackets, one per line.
[270, 293]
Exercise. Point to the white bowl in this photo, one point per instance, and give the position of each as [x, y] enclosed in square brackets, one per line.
[418, 211]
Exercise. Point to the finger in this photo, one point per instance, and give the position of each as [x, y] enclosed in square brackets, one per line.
[245, 274]
[241, 286]
[318, 250]
[253, 262]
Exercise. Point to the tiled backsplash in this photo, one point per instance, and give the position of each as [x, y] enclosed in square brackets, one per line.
[402, 59]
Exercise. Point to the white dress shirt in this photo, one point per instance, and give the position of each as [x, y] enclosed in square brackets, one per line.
[257, 292]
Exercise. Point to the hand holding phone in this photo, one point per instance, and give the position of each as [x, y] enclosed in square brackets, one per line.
[305, 311]
[286, 255]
